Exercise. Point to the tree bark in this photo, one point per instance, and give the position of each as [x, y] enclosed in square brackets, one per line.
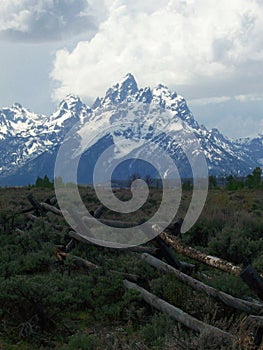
[227, 299]
[176, 313]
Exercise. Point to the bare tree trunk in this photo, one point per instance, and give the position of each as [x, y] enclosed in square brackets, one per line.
[201, 287]
[176, 313]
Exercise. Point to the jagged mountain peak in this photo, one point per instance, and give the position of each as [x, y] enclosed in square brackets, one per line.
[70, 109]
[125, 89]
[163, 90]
[18, 114]
[17, 105]
[71, 102]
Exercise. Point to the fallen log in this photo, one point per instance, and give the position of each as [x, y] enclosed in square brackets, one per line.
[80, 224]
[199, 256]
[99, 211]
[251, 277]
[113, 223]
[176, 313]
[61, 255]
[21, 232]
[40, 211]
[51, 208]
[31, 217]
[227, 299]
[166, 252]
[52, 200]
[137, 249]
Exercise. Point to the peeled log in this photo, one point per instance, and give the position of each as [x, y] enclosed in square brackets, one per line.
[176, 313]
[202, 257]
[227, 299]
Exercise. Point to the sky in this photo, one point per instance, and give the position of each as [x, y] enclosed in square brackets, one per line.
[208, 51]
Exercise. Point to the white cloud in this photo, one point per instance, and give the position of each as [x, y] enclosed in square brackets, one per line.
[249, 97]
[202, 44]
[45, 20]
[209, 100]
[222, 99]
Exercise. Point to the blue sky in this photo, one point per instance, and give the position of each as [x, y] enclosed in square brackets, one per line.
[210, 52]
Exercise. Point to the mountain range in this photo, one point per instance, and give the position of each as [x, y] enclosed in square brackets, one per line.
[30, 142]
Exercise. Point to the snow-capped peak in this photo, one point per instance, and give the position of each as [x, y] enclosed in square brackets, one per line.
[71, 102]
[17, 105]
[71, 108]
[125, 89]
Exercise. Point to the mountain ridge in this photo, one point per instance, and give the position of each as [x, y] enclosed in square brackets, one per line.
[26, 137]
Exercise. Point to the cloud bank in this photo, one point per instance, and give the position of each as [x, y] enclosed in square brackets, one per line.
[209, 48]
[47, 20]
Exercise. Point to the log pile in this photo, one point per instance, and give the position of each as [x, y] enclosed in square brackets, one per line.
[164, 247]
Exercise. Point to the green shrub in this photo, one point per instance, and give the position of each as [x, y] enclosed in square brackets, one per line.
[80, 341]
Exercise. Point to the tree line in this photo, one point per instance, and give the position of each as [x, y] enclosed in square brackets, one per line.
[230, 182]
